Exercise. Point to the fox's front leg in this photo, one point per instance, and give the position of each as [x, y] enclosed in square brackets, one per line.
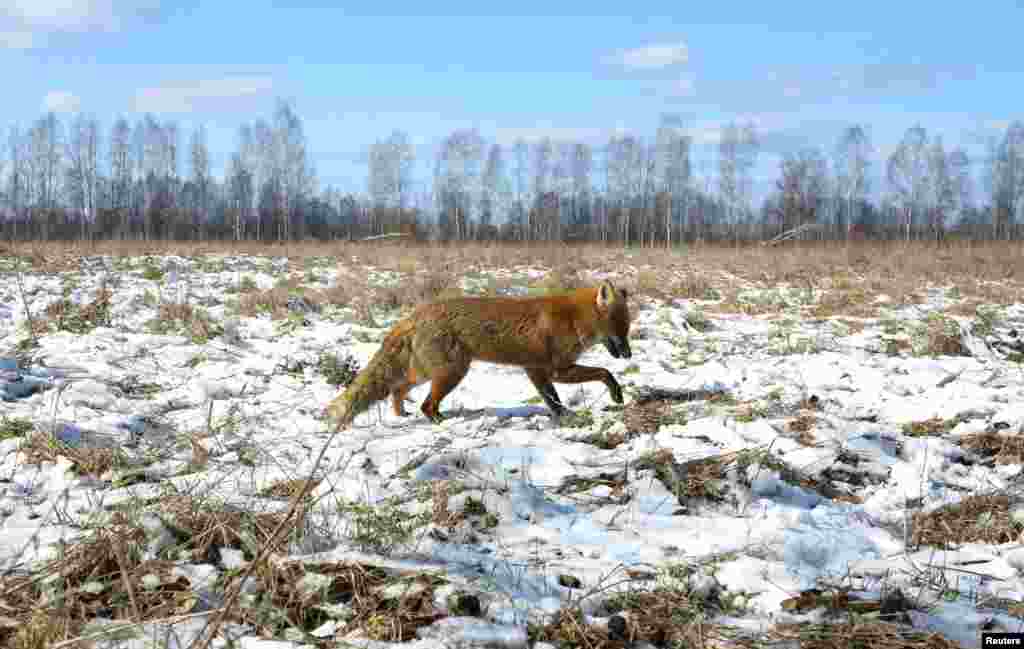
[586, 374]
[541, 380]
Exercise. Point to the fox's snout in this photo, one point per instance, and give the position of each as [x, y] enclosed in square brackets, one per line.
[618, 347]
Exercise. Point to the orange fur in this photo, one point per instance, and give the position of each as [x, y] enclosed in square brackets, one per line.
[544, 335]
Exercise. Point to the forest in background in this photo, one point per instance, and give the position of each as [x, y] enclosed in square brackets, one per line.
[73, 180]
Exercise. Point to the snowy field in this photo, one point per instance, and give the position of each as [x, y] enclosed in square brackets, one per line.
[778, 469]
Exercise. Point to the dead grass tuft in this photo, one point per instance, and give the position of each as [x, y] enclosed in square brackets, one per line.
[1006, 449]
[929, 427]
[205, 526]
[42, 447]
[662, 617]
[381, 606]
[195, 323]
[646, 417]
[66, 315]
[859, 635]
[975, 519]
[100, 576]
[287, 489]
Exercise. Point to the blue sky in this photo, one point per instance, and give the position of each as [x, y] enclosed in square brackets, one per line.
[802, 71]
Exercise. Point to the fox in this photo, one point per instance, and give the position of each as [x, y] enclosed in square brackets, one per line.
[543, 335]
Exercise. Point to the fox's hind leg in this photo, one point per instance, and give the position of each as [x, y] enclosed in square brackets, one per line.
[400, 393]
[442, 382]
[541, 380]
[441, 359]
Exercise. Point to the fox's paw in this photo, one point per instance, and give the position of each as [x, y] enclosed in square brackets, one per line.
[616, 392]
[436, 418]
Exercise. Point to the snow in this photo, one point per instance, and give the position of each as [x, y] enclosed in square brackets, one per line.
[497, 443]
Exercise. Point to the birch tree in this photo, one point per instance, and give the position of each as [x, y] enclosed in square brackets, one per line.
[852, 162]
[907, 175]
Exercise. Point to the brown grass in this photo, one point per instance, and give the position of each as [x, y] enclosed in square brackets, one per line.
[95, 461]
[1006, 449]
[381, 616]
[858, 635]
[987, 270]
[975, 519]
[109, 557]
[206, 527]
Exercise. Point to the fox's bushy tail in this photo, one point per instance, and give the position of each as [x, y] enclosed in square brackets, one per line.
[375, 381]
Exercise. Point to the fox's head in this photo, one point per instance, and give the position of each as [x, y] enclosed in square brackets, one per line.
[613, 329]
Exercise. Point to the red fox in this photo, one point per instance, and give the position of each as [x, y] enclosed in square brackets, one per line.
[542, 335]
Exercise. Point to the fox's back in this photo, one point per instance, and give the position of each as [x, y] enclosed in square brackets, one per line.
[509, 330]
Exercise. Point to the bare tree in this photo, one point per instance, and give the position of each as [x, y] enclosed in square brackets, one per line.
[852, 161]
[403, 155]
[907, 175]
[940, 200]
[801, 190]
[294, 167]
[582, 164]
[45, 158]
[199, 157]
[673, 168]
[543, 152]
[83, 154]
[18, 181]
[728, 172]
[1005, 177]
[120, 158]
[746, 159]
[521, 170]
[492, 196]
[461, 155]
[960, 174]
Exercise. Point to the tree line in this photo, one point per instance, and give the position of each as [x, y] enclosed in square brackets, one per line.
[73, 181]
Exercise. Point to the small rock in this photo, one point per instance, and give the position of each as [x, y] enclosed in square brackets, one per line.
[617, 628]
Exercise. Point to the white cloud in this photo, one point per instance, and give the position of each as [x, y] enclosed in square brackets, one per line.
[682, 88]
[28, 23]
[202, 95]
[507, 136]
[651, 56]
[60, 101]
[16, 40]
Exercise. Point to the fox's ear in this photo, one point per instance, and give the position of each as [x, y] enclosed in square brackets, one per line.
[605, 294]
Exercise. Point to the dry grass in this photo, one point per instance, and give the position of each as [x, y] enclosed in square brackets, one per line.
[662, 617]
[42, 447]
[645, 418]
[929, 427]
[65, 315]
[802, 425]
[381, 606]
[975, 519]
[287, 489]
[206, 526]
[988, 270]
[182, 317]
[706, 478]
[859, 635]
[98, 576]
[1006, 449]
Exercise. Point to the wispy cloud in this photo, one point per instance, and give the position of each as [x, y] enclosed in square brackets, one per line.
[594, 135]
[788, 88]
[26, 24]
[206, 95]
[60, 101]
[16, 40]
[650, 57]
